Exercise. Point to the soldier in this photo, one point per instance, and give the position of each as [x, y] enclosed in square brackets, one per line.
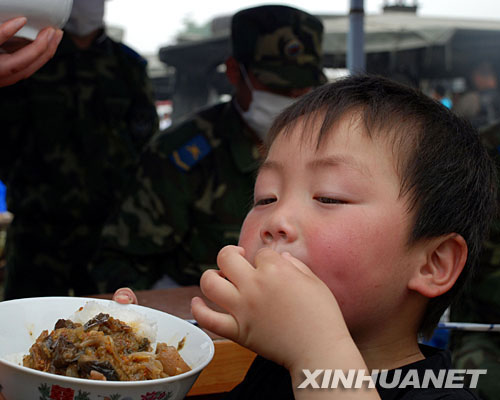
[481, 105]
[71, 136]
[195, 181]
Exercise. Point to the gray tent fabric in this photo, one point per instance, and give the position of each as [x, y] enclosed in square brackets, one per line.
[388, 32]
[396, 31]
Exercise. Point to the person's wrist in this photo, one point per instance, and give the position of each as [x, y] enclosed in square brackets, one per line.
[329, 352]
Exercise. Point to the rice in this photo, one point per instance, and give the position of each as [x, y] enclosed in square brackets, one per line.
[141, 325]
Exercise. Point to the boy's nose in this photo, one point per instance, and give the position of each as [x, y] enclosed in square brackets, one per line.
[278, 229]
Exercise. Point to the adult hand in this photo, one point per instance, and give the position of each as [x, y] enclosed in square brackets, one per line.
[22, 57]
[124, 296]
[278, 307]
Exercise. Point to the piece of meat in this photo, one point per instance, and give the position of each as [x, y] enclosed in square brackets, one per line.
[64, 352]
[66, 323]
[105, 368]
[172, 362]
[99, 319]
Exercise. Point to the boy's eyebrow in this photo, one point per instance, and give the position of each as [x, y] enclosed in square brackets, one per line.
[271, 165]
[336, 160]
[329, 161]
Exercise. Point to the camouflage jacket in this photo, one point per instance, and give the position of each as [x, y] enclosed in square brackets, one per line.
[481, 303]
[70, 141]
[193, 189]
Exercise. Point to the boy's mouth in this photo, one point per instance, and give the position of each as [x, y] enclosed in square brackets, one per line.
[286, 249]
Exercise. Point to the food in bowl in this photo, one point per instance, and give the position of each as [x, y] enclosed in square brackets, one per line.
[104, 348]
[28, 318]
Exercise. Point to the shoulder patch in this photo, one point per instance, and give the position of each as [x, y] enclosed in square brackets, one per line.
[189, 154]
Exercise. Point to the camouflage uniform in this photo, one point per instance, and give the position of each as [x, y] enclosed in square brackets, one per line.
[71, 137]
[192, 191]
[481, 304]
[195, 181]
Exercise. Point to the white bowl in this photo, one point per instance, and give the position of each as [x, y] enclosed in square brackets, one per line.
[39, 13]
[22, 321]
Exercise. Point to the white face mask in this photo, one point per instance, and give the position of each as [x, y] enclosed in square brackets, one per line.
[86, 17]
[265, 106]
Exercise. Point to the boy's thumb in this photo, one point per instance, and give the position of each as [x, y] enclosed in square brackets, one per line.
[125, 296]
[298, 264]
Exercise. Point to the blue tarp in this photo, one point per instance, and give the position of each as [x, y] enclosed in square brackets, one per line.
[3, 190]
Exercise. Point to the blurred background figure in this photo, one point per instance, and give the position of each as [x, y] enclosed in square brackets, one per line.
[195, 181]
[481, 303]
[481, 105]
[439, 94]
[71, 137]
[19, 59]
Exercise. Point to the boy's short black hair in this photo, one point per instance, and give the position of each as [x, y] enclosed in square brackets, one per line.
[446, 174]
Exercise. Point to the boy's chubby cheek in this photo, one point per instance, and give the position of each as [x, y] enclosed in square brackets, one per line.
[336, 262]
[250, 241]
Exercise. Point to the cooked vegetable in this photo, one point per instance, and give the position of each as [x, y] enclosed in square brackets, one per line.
[104, 348]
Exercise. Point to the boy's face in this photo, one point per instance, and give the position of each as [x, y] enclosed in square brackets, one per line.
[338, 210]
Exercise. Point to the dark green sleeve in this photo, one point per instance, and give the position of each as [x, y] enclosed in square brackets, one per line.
[148, 236]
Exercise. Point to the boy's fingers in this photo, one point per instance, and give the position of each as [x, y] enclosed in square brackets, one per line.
[298, 264]
[233, 264]
[222, 324]
[218, 289]
[125, 296]
[10, 27]
[267, 258]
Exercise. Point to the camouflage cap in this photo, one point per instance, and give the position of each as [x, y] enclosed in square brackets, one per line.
[280, 45]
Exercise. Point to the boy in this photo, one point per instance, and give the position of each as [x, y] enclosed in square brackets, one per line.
[369, 211]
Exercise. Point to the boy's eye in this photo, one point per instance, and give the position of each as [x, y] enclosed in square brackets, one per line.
[263, 202]
[329, 200]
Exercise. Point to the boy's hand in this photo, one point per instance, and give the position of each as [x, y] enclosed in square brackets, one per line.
[124, 296]
[277, 308]
[25, 56]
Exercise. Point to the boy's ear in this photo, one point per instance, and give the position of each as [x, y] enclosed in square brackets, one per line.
[444, 261]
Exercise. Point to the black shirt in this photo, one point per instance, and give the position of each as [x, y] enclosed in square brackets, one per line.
[267, 380]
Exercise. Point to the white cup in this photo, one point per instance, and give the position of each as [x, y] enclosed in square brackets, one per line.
[39, 13]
